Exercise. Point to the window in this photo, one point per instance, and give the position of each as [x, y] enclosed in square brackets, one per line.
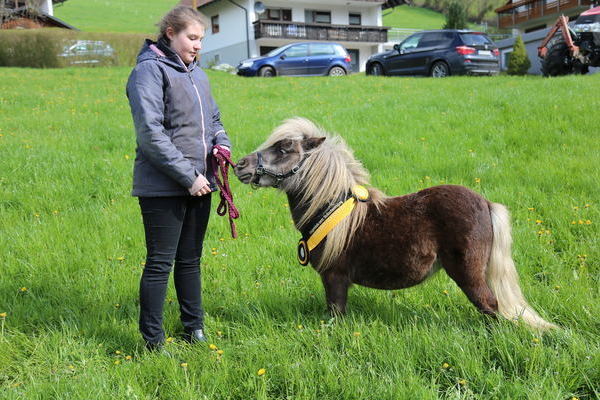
[276, 14]
[322, 50]
[411, 42]
[318, 17]
[354, 19]
[214, 24]
[300, 50]
[436, 39]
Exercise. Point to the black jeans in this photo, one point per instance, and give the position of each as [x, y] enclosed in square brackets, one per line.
[174, 228]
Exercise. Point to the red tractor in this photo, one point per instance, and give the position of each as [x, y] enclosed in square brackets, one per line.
[575, 49]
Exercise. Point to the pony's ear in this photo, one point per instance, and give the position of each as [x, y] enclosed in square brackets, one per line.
[311, 143]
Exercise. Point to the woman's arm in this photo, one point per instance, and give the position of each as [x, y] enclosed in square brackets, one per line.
[145, 94]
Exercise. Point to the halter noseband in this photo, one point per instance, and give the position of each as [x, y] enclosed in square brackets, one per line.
[261, 170]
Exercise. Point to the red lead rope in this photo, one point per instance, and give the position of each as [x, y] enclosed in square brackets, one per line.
[220, 163]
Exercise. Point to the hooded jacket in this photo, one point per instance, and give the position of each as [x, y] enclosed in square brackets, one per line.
[177, 123]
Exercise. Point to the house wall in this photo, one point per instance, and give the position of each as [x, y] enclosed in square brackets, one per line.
[229, 45]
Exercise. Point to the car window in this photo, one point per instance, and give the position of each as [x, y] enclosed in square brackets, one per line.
[411, 42]
[437, 39]
[474, 39]
[321, 49]
[300, 50]
[340, 51]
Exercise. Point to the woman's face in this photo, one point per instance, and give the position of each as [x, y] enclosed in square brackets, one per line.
[188, 42]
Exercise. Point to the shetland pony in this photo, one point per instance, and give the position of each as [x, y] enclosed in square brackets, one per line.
[389, 242]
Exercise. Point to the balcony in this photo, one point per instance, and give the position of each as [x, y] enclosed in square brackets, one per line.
[334, 33]
[523, 11]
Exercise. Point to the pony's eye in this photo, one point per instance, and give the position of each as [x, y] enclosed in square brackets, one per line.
[282, 151]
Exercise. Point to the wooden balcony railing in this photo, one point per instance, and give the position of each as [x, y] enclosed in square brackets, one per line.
[526, 10]
[303, 31]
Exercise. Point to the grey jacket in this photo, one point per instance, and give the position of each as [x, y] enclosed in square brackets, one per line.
[177, 123]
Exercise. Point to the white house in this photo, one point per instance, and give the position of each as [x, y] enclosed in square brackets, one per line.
[241, 29]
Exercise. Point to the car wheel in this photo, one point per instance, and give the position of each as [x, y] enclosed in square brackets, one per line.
[337, 71]
[266, 72]
[377, 70]
[439, 69]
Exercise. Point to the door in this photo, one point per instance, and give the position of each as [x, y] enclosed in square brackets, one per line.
[354, 55]
[320, 58]
[401, 61]
[293, 61]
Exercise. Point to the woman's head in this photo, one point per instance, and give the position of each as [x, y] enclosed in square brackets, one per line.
[183, 28]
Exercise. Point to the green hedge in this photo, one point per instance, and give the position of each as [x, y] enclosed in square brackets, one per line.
[41, 48]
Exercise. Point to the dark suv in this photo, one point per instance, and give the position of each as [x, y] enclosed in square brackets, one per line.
[439, 53]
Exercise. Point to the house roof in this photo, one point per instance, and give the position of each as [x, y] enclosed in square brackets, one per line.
[199, 3]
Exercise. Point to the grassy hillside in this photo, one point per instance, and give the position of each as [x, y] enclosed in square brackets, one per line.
[413, 18]
[114, 15]
[72, 245]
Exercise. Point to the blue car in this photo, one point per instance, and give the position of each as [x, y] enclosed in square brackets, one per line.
[299, 59]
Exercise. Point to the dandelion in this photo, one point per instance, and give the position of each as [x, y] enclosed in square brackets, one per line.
[183, 365]
[72, 368]
[261, 372]
[557, 287]
[3, 315]
[477, 180]
[445, 365]
[588, 222]
[23, 289]
[536, 340]
[128, 357]
[219, 333]
[538, 221]
[127, 156]
[357, 334]
[117, 305]
[220, 352]
[212, 346]
[55, 212]
[445, 292]
[118, 352]
[120, 258]
[169, 339]
[300, 327]
[530, 208]
[462, 382]
[117, 362]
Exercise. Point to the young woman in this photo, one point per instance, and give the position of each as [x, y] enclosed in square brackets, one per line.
[178, 127]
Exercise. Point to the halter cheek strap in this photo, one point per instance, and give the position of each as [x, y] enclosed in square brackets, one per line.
[261, 170]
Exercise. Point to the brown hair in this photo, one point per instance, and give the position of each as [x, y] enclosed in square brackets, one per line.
[178, 19]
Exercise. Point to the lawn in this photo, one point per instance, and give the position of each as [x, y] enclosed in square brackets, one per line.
[72, 246]
[413, 18]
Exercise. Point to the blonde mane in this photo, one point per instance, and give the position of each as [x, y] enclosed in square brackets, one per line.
[327, 174]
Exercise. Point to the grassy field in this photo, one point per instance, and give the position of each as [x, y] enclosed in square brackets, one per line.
[413, 18]
[72, 246]
[139, 16]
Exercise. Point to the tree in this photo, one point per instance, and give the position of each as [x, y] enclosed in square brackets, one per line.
[518, 63]
[456, 18]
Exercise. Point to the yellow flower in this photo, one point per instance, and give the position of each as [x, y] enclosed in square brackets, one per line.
[261, 372]
[3, 315]
[71, 367]
[212, 346]
[169, 340]
[462, 382]
[117, 362]
[127, 156]
[477, 180]
[538, 221]
[531, 209]
[23, 289]
[120, 258]
[445, 292]
[536, 340]
[445, 365]
[220, 352]
[557, 287]
[588, 222]
[118, 352]
[184, 365]
[128, 357]
[300, 327]
[356, 334]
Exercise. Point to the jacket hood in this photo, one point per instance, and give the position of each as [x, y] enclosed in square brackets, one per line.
[161, 51]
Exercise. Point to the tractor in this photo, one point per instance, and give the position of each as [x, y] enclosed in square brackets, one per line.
[575, 49]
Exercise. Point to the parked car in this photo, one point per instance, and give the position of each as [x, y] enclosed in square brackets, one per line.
[89, 52]
[299, 59]
[439, 53]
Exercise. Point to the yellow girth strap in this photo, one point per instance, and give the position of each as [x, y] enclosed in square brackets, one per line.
[359, 193]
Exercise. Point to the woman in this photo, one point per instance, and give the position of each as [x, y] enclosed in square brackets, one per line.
[178, 126]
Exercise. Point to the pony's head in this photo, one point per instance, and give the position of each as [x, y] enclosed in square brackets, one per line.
[282, 155]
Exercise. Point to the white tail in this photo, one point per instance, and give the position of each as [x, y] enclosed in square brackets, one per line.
[502, 277]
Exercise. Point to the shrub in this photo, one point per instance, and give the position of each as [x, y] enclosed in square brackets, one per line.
[40, 48]
[518, 63]
[456, 18]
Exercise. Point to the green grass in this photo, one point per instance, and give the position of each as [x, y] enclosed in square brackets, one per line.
[71, 245]
[139, 16]
[413, 18]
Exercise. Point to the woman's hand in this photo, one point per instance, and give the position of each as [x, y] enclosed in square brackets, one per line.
[200, 186]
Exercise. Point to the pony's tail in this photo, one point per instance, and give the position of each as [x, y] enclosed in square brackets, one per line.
[502, 277]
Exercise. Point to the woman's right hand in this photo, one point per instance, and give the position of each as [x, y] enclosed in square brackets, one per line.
[200, 186]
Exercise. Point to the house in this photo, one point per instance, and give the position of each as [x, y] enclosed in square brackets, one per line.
[21, 14]
[241, 29]
[532, 19]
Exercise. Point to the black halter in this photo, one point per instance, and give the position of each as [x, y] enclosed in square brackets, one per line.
[260, 170]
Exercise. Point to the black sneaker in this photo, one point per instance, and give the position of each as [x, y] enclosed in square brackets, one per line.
[195, 336]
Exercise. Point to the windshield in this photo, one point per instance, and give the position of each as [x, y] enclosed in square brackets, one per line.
[276, 51]
[475, 39]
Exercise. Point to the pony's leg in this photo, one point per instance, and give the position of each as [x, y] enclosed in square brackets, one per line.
[336, 291]
[469, 274]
